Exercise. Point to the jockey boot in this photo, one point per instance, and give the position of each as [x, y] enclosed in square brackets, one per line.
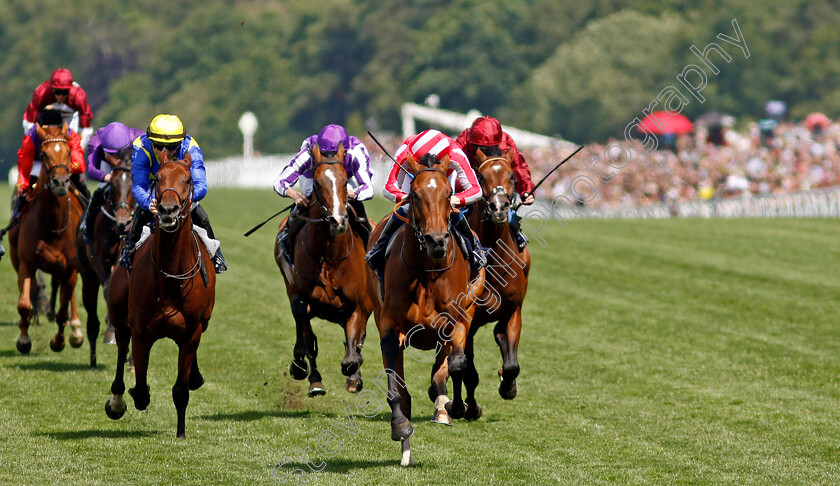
[18, 203]
[362, 223]
[516, 230]
[287, 237]
[96, 202]
[472, 247]
[201, 220]
[376, 256]
[141, 218]
[81, 186]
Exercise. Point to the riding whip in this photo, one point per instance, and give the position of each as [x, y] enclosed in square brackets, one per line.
[255, 228]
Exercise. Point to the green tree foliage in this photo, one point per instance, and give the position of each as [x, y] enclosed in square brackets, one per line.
[582, 70]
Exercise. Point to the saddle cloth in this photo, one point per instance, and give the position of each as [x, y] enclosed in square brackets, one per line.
[210, 244]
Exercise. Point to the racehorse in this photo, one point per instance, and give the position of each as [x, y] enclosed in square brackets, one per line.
[428, 301]
[45, 239]
[169, 293]
[328, 279]
[507, 276]
[96, 260]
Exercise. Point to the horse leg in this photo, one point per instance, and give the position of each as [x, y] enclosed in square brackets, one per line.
[299, 369]
[90, 299]
[61, 317]
[437, 389]
[471, 382]
[457, 367]
[140, 349]
[115, 406]
[315, 386]
[196, 378]
[181, 389]
[507, 337]
[23, 343]
[398, 397]
[351, 365]
[76, 336]
[44, 301]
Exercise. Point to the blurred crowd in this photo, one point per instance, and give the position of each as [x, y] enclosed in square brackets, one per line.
[789, 157]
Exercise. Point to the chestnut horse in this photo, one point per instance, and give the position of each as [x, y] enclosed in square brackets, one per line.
[427, 301]
[45, 239]
[169, 293]
[97, 260]
[507, 270]
[328, 279]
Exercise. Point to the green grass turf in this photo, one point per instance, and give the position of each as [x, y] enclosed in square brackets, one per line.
[653, 352]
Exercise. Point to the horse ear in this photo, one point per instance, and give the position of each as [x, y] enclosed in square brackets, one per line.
[442, 164]
[412, 164]
[480, 156]
[64, 129]
[188, 157]
[316, 153]
[340, 151]
[41, 132]
[509, 155]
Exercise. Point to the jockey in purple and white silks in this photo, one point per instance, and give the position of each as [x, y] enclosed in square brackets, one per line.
[301, 170]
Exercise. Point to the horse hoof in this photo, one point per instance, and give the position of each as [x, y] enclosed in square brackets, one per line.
[113, 414]
[57, 345]
[24, 345]
[196, 380]
[297, 371]
[141, 400]
[441, 417]
[473, 413]
[353, 386]
[454, 410]
[315, 390]
[77, 341]
[401, 431]
[507, 390]
[110, 336]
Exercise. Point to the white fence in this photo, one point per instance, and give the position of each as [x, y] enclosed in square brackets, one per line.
[820, 203]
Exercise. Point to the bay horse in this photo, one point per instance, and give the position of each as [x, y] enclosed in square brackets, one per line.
[508, 268]
[427, 302]
[328, 280]
[45, 239]
[97, 260]
[170, 293]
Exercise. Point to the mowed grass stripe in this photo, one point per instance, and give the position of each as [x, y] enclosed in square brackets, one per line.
[653, 352]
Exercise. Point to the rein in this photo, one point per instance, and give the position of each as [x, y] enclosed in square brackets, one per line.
[189, 273]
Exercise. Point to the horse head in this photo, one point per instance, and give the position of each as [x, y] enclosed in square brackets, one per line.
[121, 199]
[173, 191]
[430, 206]
[330, 187]
[495, 174]
[55, 158]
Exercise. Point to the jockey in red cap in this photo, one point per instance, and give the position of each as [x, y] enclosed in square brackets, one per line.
[435, 144]
[486, 133]
[61, 90]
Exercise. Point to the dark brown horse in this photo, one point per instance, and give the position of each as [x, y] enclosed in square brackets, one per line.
[97, 260]
[45, 239]
[169, 294]
[427, 302]
[328, 279]
[507, 270]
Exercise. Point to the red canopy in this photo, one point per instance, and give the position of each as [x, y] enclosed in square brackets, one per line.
[816, 119]
[666, 123]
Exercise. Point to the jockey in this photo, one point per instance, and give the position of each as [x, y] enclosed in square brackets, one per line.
[30, 151]
[61, 90]
[486, 133]
[436, 144]
[110, 144]
[165, 133]
[301, 167]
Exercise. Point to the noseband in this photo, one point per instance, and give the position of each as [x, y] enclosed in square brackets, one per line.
[121, 204]
[418, 235]
[324, 211]
[184, 203]
[496, 191]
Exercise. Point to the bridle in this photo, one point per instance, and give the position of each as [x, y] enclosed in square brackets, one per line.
[412, 222]
[121, 204]
[325, 213]
[185, 203]
[498, 190]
